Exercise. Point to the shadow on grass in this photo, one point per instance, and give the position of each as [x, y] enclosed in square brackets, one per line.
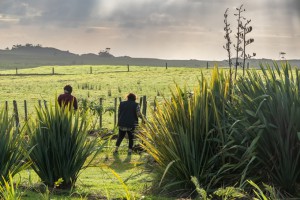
[120, 165]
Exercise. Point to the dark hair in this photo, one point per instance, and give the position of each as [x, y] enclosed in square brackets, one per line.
[131, 97]
[68, 88]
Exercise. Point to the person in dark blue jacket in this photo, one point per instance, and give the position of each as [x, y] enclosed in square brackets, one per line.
[129, 112]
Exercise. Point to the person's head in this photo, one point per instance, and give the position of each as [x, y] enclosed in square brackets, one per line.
[131, 97]
[68, 89]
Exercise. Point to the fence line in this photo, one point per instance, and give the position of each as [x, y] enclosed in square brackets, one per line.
[16, 115]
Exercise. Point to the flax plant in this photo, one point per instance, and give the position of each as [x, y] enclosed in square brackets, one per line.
[271, 102]
[12, 152]
[61, 145]
[189, 136]
[9, 189]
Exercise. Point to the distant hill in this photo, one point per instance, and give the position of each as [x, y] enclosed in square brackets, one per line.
[26, 56]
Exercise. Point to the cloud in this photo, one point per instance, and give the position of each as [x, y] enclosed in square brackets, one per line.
[127, 15]
[55, 12]
[147, 23]
[157, 14]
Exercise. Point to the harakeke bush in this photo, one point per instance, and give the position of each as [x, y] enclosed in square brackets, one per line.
[190, 136]
[12, 152]
[271, 103]
[61, 145]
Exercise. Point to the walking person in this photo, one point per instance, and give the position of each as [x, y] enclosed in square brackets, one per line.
[67, 99]
[129, 112]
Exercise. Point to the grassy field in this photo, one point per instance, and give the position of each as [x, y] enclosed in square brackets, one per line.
[131, 177]
[106, 178]
[110, 177]
[35, 84]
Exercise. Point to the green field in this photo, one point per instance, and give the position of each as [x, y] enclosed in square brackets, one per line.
[219, 141]
[35, 84]
[98, 181]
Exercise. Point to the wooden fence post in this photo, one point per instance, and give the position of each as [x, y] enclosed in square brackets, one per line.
[6, 106]
[91, 70]
[128, 67]
[16, 114]
[144, 105]
[16, 70]
[45, 104]
[154, 104]
[100, 117]
[166, 65]
[52, 70]
[25, 110]
[115, 113]
[141, 101]
[206, 65]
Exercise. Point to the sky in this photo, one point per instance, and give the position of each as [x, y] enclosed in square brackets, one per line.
[165, 29]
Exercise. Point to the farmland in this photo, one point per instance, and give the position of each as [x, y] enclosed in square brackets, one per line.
[196, 144]
[106, 82]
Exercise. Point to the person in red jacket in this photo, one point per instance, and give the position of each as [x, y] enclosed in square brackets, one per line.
[67, 99]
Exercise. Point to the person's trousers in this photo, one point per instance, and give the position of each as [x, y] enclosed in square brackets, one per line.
[122, 135]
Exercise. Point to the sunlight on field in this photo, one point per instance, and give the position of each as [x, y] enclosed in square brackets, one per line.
[108, 82]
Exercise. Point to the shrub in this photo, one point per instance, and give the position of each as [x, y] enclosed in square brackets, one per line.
[8, 189]
[12, 151]
[270, 102]
[61, 145]
[190, 136]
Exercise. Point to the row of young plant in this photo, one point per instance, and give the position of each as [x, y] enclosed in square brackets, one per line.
[221, 137]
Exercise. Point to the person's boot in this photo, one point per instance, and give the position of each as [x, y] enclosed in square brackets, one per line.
[129, 152]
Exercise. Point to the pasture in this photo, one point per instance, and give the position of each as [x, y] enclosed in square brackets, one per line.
[216, 143]
[105, 82]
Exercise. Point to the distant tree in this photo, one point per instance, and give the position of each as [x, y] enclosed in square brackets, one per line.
[105, 53]
[107, 49]
[28, 45]
[282, 55]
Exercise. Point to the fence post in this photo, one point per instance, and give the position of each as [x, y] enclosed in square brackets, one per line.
[100, 117]
[128, 67]
[91, 70]
[52, 70]
[141, 101]
[25, 110]
[206, 65]
[40, 103]
[16, 114]
[115, 113]
[45, 104]
[16, 70]
[154, 104]
[166, 65]
[6, 106]
[144, 105]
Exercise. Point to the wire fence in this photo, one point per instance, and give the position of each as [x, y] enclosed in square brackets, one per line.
[22, 111]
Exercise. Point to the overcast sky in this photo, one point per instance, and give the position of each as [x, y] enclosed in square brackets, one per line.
[167, 29]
